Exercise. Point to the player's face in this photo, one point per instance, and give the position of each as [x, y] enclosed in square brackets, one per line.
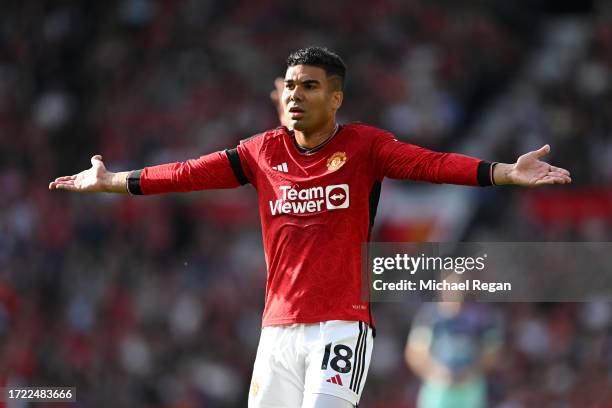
[310, 99]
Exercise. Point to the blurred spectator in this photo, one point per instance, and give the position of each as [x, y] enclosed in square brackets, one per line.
[452, 346]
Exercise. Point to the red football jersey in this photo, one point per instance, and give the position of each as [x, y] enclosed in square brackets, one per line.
[317, 207]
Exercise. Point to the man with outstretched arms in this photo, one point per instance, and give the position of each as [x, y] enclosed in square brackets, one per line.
[318, 184]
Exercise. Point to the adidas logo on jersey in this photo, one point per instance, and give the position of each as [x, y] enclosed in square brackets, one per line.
[335, 379]
[310, 200]
[281, 167]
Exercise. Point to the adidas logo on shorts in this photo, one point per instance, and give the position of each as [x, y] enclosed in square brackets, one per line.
[335, 379]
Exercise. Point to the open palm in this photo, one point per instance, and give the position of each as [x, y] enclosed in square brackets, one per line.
[530, 171]
[90, 180]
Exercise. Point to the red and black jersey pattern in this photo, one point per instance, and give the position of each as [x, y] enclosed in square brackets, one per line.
[316, 208]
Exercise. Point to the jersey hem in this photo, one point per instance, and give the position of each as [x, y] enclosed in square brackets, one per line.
[307, 320]
[335, 391]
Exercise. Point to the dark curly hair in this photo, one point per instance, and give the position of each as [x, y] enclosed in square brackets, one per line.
[320, 57]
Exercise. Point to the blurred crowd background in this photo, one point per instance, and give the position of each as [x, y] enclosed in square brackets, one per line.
[157, 301]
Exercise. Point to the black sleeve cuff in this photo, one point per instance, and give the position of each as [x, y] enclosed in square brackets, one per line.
[133, 182]
[484, 174]
[234, 159]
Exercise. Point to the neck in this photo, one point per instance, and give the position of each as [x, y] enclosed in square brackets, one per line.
[309, 140]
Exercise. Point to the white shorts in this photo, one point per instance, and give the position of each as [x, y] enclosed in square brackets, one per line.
[331, 357]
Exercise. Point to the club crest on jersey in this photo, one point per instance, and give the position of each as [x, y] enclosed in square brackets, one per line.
[336, 161]
[295, 200]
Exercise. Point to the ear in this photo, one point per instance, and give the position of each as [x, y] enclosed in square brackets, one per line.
[337, 98]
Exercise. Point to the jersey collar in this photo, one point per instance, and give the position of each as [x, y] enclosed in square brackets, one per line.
[317, 147]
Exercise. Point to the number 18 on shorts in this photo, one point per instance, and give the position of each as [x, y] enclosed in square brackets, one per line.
[322, 358]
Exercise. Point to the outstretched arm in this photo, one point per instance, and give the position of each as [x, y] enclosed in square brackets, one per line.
[405, 161]
[530, 171]
[93, 180]
[222, 169]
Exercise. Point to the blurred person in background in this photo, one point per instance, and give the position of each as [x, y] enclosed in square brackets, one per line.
[317, 332]
[452, 346]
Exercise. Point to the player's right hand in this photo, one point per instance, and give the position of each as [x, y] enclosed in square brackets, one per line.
[90, 180]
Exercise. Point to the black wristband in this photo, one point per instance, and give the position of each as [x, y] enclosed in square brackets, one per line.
[484, 173]
[133, 182]
[492, 170]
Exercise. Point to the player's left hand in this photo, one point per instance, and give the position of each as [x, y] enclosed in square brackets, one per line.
[530, 171]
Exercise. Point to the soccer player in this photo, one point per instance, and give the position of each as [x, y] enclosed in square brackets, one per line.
[318, 186]
[452, 346]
